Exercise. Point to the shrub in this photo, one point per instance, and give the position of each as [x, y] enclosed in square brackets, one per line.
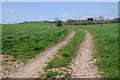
[58, 23]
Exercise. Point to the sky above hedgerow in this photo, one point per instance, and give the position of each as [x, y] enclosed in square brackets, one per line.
[14, 12]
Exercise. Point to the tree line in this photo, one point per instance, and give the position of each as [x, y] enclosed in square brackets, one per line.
[88, 21]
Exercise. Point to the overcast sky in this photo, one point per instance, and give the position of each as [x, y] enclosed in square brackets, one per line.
[13, 12]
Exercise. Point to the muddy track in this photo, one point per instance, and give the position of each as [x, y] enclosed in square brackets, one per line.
[82, 66]
[35, 65]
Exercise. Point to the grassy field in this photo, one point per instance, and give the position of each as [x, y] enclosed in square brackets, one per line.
[63, 58]
[23, 41]
[106, 48]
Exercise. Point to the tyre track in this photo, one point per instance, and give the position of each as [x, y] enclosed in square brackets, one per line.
[82, 66]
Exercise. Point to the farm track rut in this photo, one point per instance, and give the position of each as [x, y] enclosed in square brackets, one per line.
[82, 66]
[35, 65]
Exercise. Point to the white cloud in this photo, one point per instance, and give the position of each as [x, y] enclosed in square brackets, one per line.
[68, 16]
[85, 18]
[8, 10]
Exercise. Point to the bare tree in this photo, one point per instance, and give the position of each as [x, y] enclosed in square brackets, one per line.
[56, 19]
[101, 19]
[69, 21]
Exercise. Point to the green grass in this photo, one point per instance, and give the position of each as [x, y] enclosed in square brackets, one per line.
[23, 41]
[106, 48]
[65, 54]
[0, 38]
[50, 74]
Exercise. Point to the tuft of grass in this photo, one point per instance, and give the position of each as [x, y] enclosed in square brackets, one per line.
[50, 74]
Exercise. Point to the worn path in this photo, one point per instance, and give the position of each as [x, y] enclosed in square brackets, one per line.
[82, 66]
[35, 65]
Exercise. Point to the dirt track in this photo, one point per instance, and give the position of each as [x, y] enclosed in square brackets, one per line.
[35, 65]
[83, 65]
[0, 66]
